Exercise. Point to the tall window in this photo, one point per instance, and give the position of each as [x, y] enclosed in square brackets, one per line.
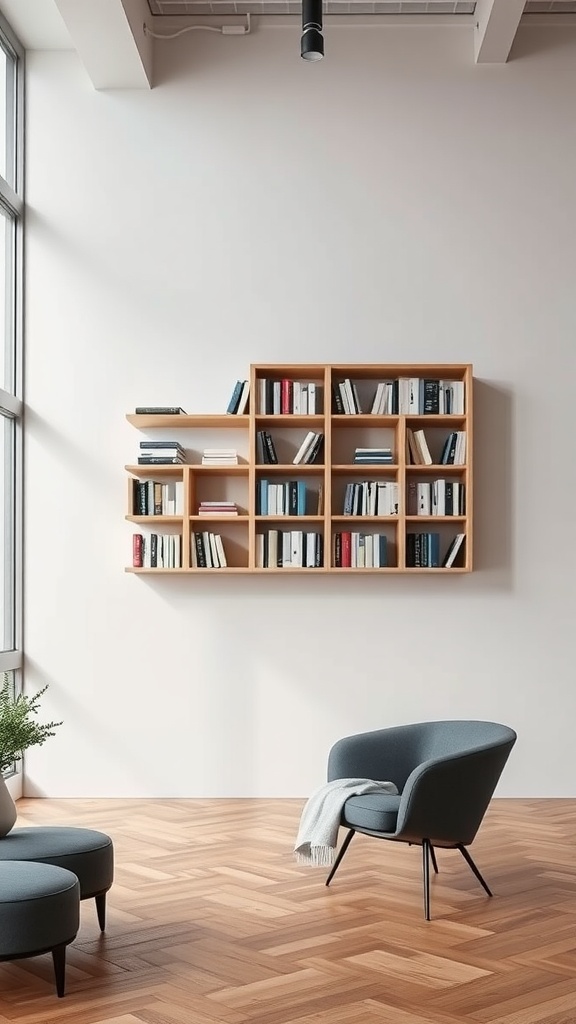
[11, 232]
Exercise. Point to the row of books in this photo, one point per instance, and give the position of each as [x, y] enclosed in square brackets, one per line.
[238, 403]
[161, 453]
[279, 549]
[373, 456]
[453, 451]
[219, 457]
[154, 498]
[423, 550]
[218, 508]
[436, 498]
[406, 396]
[157, 551]
[360, 550]
[207, 550]
[288, 397]
[371, 498]
[281, 499]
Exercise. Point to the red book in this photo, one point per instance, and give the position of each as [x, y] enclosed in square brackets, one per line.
[285, 398]
[346, 550]
[137, 550]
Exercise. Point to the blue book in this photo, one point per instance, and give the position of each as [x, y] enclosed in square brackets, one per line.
[235, 398]
[301, 499]
[263, 511]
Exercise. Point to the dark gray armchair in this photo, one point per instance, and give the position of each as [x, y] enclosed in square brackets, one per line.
[445, 773]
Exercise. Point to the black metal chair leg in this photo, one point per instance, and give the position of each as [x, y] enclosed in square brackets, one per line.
[426, 874]
[341, 853]
[101, 910]
[433, 858]
[59, 959]
[473, 867]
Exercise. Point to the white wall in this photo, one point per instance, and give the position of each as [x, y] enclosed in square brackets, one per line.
[393, 203]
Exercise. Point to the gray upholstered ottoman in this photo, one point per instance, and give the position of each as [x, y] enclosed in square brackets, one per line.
[88, 854]
[39, 913]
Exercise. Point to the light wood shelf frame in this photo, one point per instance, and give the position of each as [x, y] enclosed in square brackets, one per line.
[332, 521]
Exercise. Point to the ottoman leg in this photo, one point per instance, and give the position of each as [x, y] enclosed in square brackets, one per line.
[59, 958]
[101, 910]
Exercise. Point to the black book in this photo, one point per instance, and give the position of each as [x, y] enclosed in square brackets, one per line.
[270, 448]
[337, 551]
[162, 444]
[337, 403]
[159, 410]
[260, 448]
[318, 551]
[293, 497]
[200, 553]
[153, 550]
[449, 499]
[431, 397]
[151, 460]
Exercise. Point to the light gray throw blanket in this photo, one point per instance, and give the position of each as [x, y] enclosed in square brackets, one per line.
[318, 832]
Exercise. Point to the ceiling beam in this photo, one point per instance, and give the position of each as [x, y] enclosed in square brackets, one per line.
[496, 24]
[109, 38]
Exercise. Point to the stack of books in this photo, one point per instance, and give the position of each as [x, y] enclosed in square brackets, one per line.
[220, 457]
[373, 456]
[309, 449]
[217, 508]
[159, 410]
[161, 453]
[238, 403]
[345, 398]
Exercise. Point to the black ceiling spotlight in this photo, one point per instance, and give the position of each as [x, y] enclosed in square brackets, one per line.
[312, 42]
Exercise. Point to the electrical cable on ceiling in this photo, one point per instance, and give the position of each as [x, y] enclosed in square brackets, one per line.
[225, 30]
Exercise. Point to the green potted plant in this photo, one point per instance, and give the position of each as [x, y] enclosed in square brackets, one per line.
[18, 732]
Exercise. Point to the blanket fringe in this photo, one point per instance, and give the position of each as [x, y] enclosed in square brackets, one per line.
[317, 857]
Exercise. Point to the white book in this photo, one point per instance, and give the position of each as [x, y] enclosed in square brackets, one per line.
[286, 548]
[460, 453]
[296, 397]
[177, 551]
[351, 396]
[243, 403]
[304, 410]
[376, 405]
[179, 498]
[453, 550]
[276, 398]
[403, 395]
[420, 439]
[458, 399]
[423, 495]
[193, 552]
[310, 550]
[345, 398]
[296, 545]
[414, 396]
[312, 399]
[306, 443]
[262, 395]
[369, 551]
[221, 552]
[376, 551]
[259, 550]
[214, 550]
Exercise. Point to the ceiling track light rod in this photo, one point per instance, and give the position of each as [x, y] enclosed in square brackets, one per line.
[312, 40]
[225, 30]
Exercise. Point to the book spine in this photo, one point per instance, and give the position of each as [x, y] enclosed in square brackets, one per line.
[137, 559]
[270, 449]
[235, 398]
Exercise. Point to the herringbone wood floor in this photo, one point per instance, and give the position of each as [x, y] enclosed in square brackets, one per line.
[210, 920]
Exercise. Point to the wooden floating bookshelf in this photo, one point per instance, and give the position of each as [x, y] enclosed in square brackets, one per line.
[329, 482]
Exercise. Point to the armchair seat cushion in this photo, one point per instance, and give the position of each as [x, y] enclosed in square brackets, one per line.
[375, 811]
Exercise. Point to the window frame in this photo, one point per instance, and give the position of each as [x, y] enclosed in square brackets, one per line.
[11, 397]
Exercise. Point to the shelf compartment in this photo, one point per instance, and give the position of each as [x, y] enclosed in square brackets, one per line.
[221, 421]
[234, 536]
[370, 527]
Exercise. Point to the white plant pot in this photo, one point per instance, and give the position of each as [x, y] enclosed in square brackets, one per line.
[8, 811]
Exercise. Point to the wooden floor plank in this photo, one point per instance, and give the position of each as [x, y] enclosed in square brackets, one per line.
[211, 921]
